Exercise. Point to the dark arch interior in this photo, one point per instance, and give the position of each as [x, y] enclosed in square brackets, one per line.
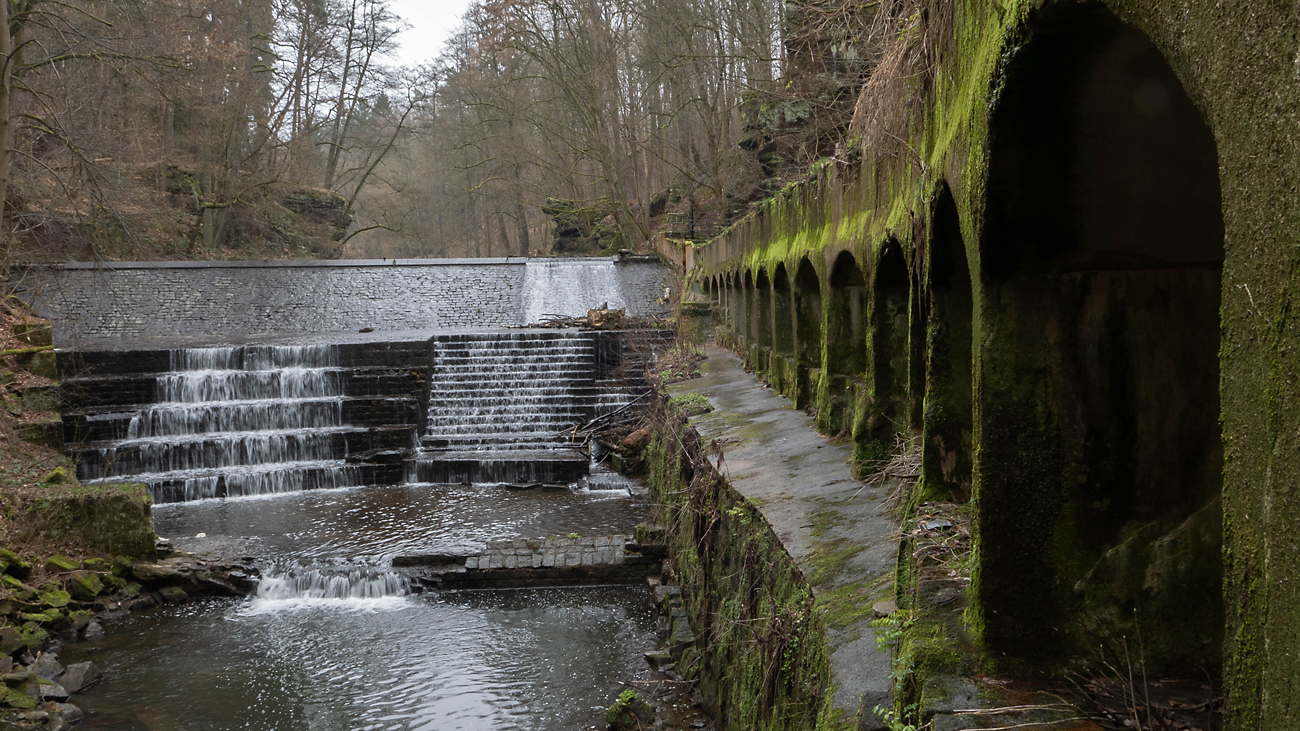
[890, 323]
[808, 312]
[1103, 250]
[846, 317]
[782, 312]
[949, 424]
[763, 309]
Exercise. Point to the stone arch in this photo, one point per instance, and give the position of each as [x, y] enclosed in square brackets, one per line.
[745, 313]
[891, 305]
[808, 314]
[947, 451]
[846, 317]
[762, 319]
[1100, 472]
[782, 312]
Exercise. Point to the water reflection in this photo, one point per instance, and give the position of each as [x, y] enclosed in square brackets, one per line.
[376, 523]
[530, 659]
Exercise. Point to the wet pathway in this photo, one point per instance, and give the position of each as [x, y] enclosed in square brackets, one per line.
[830, 523]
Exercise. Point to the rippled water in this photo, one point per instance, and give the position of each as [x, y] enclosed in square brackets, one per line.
[376, 523]
[313, 651]
[530, 659]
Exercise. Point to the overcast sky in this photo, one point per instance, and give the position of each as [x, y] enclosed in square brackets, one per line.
[432, 23]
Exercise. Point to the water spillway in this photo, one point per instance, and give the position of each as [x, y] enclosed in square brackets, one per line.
[457, 408]
[241, 420]
[503, 408]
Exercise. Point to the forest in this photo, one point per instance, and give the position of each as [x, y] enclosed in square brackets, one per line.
[264, 129]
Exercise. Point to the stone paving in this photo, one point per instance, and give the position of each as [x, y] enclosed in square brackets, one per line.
[802, 485]
[550, 553]
[558, 561]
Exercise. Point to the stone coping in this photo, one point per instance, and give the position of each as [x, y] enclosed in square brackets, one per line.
[800, 482]
[330, 263]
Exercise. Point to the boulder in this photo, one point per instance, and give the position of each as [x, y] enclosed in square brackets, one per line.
[92, 631]
[15, 565]
[48, 433]
[52, 691]
[172, 594]
[33, 636]
[60, 565]
[79, 675]
[69, 713]
[52, 595]
[46, 666]
[84, 585]
[57, 476]
[39, 362]
[40, 398]
[11, 641]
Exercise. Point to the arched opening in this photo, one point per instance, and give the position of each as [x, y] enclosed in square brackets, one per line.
[745, 312]
[782, 312]
[808, 314]
[762, 318]
[1101, 460]
[846, 348]
[948, 422]
[890, 319]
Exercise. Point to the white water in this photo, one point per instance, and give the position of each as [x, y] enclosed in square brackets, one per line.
[354, 588]
[569, 287]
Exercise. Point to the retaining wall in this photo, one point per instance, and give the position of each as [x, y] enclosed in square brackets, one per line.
[232, 299]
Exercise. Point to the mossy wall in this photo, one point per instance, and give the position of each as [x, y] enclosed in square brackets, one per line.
[1235, 61]
[763, 661]
[110, 519]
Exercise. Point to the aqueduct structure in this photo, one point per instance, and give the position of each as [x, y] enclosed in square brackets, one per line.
[1071, 272]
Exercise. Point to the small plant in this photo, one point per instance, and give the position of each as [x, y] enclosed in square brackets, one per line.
[890, 629]
[894, 719]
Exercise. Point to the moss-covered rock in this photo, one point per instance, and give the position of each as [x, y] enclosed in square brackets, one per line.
[52, 595]
[57, 476]
[629, 713]
[15, 565]
[84, 585]
[61, 564]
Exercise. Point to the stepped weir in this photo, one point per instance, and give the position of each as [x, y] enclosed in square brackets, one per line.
[493, 407]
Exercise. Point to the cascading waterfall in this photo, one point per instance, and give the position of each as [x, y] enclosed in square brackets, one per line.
[234, 421]
[503, 408]
[349, 583]
[500, 407]
[569, 287]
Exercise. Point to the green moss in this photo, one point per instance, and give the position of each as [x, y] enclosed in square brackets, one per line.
[767, 664]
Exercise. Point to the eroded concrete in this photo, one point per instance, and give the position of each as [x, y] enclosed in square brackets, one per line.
[831, 524]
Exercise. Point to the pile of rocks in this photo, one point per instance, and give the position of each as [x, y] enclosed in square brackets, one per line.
[39, 691]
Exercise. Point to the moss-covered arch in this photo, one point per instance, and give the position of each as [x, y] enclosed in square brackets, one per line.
[808, 313]
[783, 324]
[947, 452]
[1100, 456]
[890, 319]
[846, 317]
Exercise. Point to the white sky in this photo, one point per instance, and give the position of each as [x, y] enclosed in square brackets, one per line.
[432, 23]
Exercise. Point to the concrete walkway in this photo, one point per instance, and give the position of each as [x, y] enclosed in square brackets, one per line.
[830, 523]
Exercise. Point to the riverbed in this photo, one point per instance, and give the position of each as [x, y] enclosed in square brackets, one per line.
[376, 654]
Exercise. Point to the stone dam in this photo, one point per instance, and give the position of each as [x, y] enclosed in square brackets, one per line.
[377, 442]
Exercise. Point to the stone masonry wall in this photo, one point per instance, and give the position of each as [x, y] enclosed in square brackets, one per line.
[196, 299]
